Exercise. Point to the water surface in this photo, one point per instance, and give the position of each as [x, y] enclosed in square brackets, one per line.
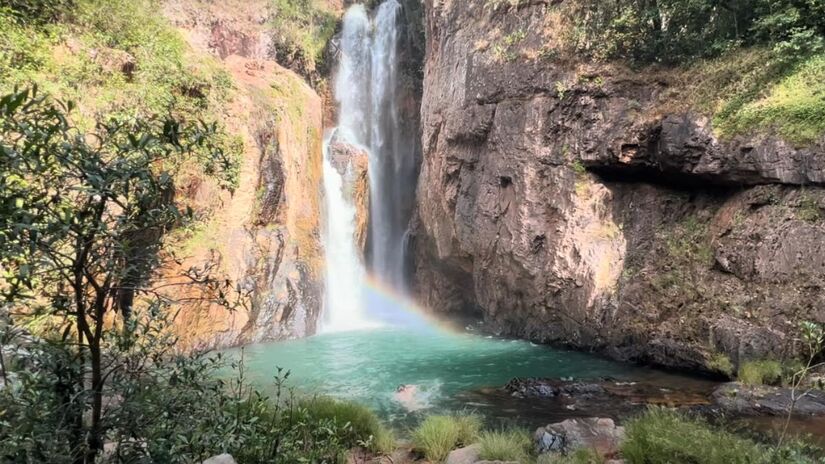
[452, 371]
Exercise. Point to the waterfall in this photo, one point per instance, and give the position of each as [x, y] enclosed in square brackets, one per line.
[367, 94]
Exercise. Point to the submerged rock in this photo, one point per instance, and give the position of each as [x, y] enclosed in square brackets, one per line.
[752, 400]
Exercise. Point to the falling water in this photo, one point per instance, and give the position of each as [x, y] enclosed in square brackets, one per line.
[366, 90]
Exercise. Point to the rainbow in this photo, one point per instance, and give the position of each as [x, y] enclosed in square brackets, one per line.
[404, 306]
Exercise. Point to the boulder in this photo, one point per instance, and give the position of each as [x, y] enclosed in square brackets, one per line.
[752, 400]
[221, 459]
[600, 434]
[466, 455]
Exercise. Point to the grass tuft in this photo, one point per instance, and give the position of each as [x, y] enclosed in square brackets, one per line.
[508, 445]
[438, 435]
[765, 372]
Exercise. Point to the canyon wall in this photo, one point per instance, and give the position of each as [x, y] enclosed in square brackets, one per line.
[589, 205]
[264, 237]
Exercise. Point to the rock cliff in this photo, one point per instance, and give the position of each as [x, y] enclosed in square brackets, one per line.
[266, 235]
[590, 205]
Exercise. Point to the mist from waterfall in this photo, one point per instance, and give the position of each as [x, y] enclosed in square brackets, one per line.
[366, 91]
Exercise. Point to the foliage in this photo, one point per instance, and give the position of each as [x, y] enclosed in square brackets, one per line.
[37, 11]
[436, 436]
[362, 424]
[116, 57]
[675, 31]
[763, 372]
[508, 445]
[302, 29]
[783, 96]
[82, 221]
[171, 409]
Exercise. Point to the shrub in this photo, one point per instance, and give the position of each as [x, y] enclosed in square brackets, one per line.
[438, 435]
[765, 372]
[509, 445]
[363, 425]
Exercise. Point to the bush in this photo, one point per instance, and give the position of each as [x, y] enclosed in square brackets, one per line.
[662, 436]
[765, 372]
[509, 445]
[363, 425]
[438, 435]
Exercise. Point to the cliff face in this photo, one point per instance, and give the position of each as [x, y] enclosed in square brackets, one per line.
[585, 204]
[265, 236]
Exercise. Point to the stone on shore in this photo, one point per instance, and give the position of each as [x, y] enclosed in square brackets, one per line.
[600, 434]
[752, 400]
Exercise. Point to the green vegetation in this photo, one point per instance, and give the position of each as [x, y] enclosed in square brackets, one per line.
[509, 445]
[721, 363]
[360, 424]
[436, 436]
[302, 29]
[765, 372]
[688, 241]
[662, 436]
[808, 208]
[115, 57]
[647, 32]
[750, 64]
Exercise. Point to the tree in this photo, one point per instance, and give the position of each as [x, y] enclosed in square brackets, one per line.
[82, 224]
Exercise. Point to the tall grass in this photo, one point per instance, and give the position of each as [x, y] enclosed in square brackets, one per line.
[438, 435]
[507, 445]
[662, 436]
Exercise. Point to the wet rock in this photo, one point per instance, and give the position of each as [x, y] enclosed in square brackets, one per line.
[548, 388]
[352, 163]
[221, 459]
[753, 400]
[466, 455]
[600, 434]
[605, 217]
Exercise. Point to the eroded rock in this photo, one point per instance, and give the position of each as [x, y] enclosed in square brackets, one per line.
[754, 400]
[599, 434]
[605, 216]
